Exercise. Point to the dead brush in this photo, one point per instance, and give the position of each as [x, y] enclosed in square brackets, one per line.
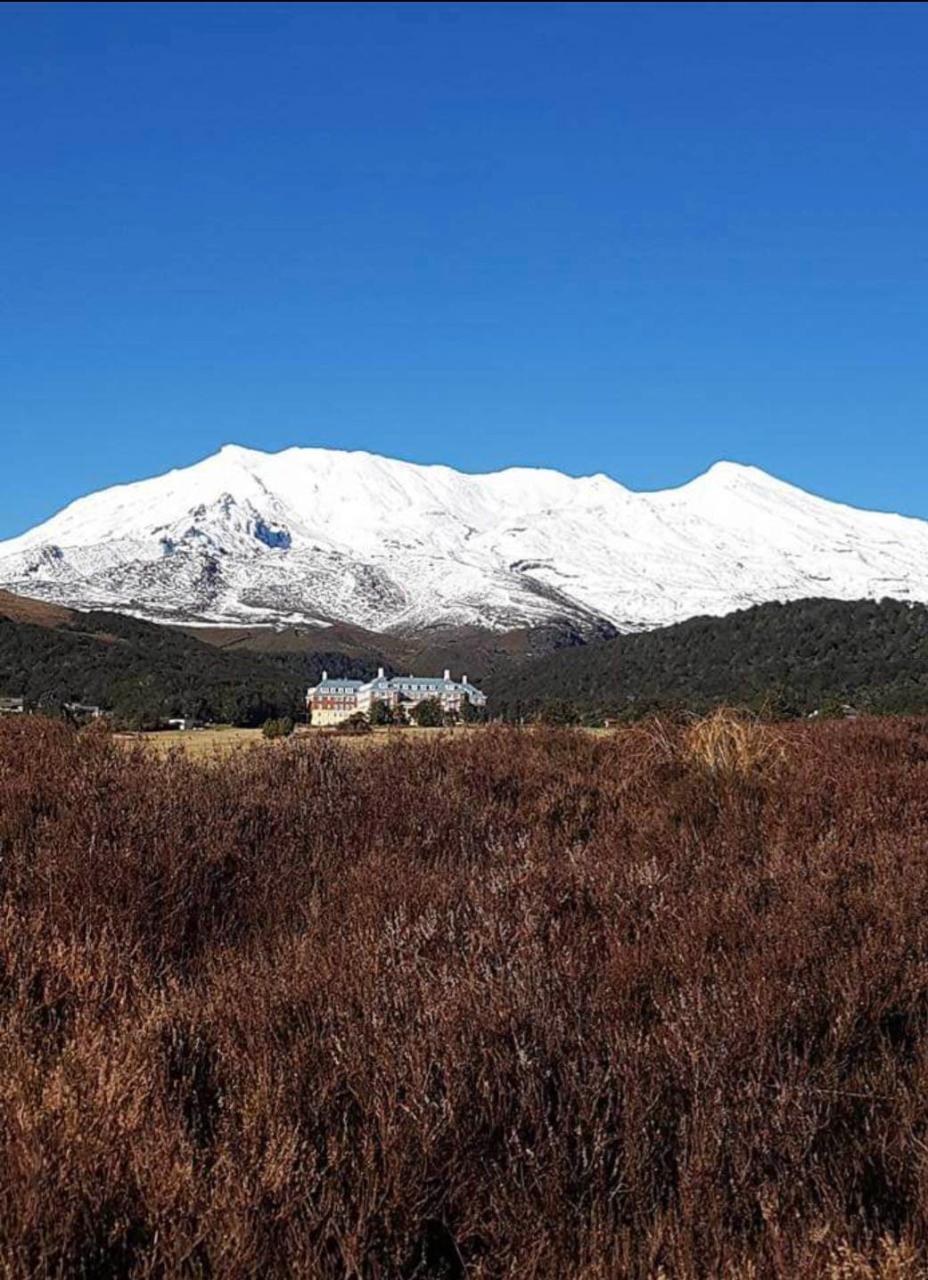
[495, 1006]
[730, 744]
[889, 1260]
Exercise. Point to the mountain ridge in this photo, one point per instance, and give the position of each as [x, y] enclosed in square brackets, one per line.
[311, 536]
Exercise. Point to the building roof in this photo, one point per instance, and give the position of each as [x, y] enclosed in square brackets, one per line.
[395, 684]
[421, 682]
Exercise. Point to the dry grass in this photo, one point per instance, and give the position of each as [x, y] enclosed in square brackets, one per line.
[218, 740]
[37, 612]
[197, 742]
[731, 744]
[498, 1005]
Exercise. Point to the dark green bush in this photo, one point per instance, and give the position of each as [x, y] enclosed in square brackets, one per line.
[280, 728]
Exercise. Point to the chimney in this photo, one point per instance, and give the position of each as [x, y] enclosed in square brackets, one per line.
[463, 679]
[380, 673]
[447, 675]
[325, 675]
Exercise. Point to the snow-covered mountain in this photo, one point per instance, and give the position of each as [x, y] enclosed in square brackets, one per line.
[316, 535]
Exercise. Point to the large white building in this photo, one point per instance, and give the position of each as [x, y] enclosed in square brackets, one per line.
[334, 700]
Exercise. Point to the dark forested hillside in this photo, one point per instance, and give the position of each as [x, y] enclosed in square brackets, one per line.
[144, 673]
[787, 658]
[793, 658]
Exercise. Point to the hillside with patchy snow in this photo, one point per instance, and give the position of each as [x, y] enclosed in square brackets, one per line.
[316, 535]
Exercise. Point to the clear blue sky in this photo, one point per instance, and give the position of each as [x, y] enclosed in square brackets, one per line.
[632, 239]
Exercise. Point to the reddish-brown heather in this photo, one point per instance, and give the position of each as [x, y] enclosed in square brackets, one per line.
[514, 1004]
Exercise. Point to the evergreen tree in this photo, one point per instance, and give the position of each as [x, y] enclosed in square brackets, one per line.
[380, 713]
[428, 713]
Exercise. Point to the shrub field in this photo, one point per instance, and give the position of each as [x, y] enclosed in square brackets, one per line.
[519, 1005]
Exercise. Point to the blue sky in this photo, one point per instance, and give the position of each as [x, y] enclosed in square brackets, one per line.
[632, 239]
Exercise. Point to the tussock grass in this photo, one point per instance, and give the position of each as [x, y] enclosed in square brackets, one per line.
[734, 744]
[499, 1005]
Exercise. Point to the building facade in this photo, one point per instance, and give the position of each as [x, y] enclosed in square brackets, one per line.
[334, 700]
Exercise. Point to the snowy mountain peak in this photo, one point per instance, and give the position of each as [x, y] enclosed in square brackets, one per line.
[726, 475]
[317, 535]
[239, 451]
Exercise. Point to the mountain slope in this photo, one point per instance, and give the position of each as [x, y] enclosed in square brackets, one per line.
[319, 536]
[801, 654]
[474, 650]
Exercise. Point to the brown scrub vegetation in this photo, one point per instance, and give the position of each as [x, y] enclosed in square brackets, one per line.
[518, 1004]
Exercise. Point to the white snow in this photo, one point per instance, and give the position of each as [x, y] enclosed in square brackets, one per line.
[317, 535]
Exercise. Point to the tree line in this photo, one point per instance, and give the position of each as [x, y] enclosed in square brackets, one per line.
[142, 674]
[781, 660]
